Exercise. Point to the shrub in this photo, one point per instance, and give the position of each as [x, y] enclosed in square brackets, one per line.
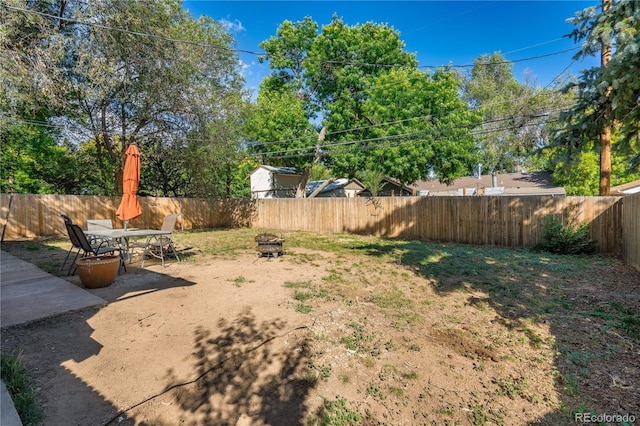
[571, 238]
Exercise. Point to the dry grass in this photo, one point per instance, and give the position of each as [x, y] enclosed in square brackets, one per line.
[418, 332]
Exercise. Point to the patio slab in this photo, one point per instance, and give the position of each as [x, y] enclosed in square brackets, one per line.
[27, 293]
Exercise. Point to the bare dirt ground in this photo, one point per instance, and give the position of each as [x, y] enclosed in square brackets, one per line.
[341, 330]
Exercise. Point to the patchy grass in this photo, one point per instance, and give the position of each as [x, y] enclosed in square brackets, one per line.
[443, 333]
[334, 413]
[16, 378]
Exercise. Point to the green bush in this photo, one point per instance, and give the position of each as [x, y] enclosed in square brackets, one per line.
[571, 238]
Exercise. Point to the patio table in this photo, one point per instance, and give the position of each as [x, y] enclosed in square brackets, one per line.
[122, 237]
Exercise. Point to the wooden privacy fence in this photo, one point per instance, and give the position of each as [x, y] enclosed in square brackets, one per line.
[490, 220]
[36, 216]
[631, 229]
[500, 221]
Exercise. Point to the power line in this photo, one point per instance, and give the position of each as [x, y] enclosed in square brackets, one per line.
[433, 115]
[259, 53]
[418, 133]
[355, 129]
[264, 54]
[122, 30]
[381, 138]
[399, 139]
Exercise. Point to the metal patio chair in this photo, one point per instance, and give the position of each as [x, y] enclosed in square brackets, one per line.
[90, 250]
[75, 244]
[98, 225]
[162, 245]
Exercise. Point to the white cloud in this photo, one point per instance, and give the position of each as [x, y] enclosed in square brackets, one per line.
[244, 67]
[234, 26]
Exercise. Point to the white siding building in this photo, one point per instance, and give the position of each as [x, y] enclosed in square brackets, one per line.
[274, 182]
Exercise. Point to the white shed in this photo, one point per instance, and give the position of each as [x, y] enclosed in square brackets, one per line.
[274, 182]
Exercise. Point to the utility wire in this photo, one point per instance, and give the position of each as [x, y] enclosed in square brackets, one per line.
[122, 30]
[307, 59]
[474, 124]
[266, 55]
[399, 139]
[355, 129]
[418, 133]
[262, 53]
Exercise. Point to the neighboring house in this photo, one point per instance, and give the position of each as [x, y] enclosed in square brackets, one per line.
[626, 188]
[346, 188]
[353, 188]
[281, 182]
[274, 182]
[533, 183]
[390, 188]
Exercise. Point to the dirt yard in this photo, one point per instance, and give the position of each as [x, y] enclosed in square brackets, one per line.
[340, 330]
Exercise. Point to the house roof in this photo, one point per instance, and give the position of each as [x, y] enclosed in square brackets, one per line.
[626, 188]
[355, 184]
[394, 182]
[525, 183]
[337, 184]
[277, 170]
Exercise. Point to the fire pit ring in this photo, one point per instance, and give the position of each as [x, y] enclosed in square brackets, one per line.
[269, 245]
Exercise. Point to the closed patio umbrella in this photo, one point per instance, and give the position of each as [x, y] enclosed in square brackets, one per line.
[129, 206]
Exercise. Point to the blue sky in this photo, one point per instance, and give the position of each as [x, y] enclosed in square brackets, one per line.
[439, 32]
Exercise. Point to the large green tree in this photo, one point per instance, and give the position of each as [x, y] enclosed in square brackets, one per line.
[578, 171]
[227, 176]
[516, 117]
[32, 162]
[118, 72]
[607, 96]
[357, 102]
[411, 126]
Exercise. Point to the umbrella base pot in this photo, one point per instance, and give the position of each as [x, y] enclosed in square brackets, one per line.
[98, 271]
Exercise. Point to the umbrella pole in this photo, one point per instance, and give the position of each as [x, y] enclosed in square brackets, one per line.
[125, 224]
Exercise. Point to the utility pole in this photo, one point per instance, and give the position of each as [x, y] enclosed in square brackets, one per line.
[605, 136]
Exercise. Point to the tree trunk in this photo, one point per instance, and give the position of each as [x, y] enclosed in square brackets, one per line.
[301, 190]
[605, 136]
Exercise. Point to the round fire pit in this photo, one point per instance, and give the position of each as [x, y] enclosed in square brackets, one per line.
[269, 245]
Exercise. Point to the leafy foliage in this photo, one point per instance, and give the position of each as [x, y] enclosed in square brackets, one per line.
[571, 238]
[606, 96]
[377, 112]
[279, 127]
[104, 81]
[411, 126]
[515, 120]
[33, 163]
[578, 172]
[372, 180]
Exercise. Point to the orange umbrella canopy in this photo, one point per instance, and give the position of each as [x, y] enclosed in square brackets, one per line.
[129, 206]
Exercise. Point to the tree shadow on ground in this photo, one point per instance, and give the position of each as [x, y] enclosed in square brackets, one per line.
[246, 371]
[590, 304]
[45, 346]
[48, 345]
